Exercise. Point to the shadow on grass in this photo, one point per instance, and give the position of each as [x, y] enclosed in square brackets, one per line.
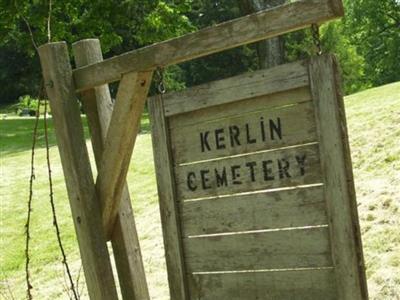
[16, 133]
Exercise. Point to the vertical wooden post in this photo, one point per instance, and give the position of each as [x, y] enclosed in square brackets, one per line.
[98, 107]
[85, 207]
[168, 209]
[338, 181]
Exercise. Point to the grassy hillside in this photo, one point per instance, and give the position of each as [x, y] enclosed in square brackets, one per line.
[374, 127]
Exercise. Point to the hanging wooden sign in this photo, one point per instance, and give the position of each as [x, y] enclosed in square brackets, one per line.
[256, 189]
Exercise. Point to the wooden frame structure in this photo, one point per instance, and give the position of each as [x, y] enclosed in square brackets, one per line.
[101, 208]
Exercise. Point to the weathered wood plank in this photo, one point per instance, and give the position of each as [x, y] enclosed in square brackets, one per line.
[265, 210]
[98, 107]
[119, 143]
[244, 86]
[338, 180]
[270, 101]
[245, 133]
[282, 249]
[259, 171]
[168, 206]
[84, 204]
[316, 284]
[262, 25]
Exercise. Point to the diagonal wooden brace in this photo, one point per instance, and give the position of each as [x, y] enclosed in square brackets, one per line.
[119, 143]
[98, 108]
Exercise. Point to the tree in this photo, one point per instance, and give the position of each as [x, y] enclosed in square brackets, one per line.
[374, 28]
[270, 52]
[120, 26]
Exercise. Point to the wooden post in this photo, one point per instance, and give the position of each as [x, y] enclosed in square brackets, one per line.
[98, 107]
[85, 206]
[167, 200]
[339, 186]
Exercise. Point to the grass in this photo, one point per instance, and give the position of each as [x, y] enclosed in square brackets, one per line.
[373, 120]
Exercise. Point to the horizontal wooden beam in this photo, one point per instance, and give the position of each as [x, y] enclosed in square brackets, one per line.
[252, 28]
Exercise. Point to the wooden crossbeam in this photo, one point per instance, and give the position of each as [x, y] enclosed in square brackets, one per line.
[119, 143]
[262, 25]
[84, 204]
[98, 107]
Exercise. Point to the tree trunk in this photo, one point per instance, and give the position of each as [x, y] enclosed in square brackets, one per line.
[270, 52]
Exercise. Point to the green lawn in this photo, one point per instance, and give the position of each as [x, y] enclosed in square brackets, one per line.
[374, 126]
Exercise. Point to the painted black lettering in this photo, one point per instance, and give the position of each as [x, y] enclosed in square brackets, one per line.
[251, 166]
[219, 138]
[275, 128]
[301, 163]
[283, 166]
[267, 171]
[222, 179]
[191, 178]
[235, 174]
[204, 141]
[205, 179]
[234, 134]
[249, 139]
[262, 129]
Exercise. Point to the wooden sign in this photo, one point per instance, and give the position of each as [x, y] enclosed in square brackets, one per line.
[256, 189]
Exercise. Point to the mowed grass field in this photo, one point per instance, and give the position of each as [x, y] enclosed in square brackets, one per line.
[374, 128]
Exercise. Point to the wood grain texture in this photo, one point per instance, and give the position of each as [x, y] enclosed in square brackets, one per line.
[119, 143]
[167, 200]
[262, 25]
[244, 86]
[98, 108]
[266, 129]
[264, 210]
[282, 249]
[270, 101]
[200, 179]
[85, 207]
[338, 181]
[281, 285]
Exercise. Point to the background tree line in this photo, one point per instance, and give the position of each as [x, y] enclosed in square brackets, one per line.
[366, 41]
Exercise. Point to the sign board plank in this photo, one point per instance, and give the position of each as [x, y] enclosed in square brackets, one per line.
[277, 249]
[248, 85]
[270, 220]
[245, 133]
[254, 211]
[300, 284]
[247, 105]
[256, 171]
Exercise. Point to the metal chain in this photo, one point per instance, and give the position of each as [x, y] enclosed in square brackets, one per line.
[160, 81]
[316, 38]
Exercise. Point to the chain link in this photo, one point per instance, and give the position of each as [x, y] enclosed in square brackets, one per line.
[160, 81]
[316, 38]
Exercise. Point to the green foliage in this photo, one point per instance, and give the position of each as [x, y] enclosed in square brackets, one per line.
[26, 102]
[373, 27]
[366, 41]
[335, 40]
